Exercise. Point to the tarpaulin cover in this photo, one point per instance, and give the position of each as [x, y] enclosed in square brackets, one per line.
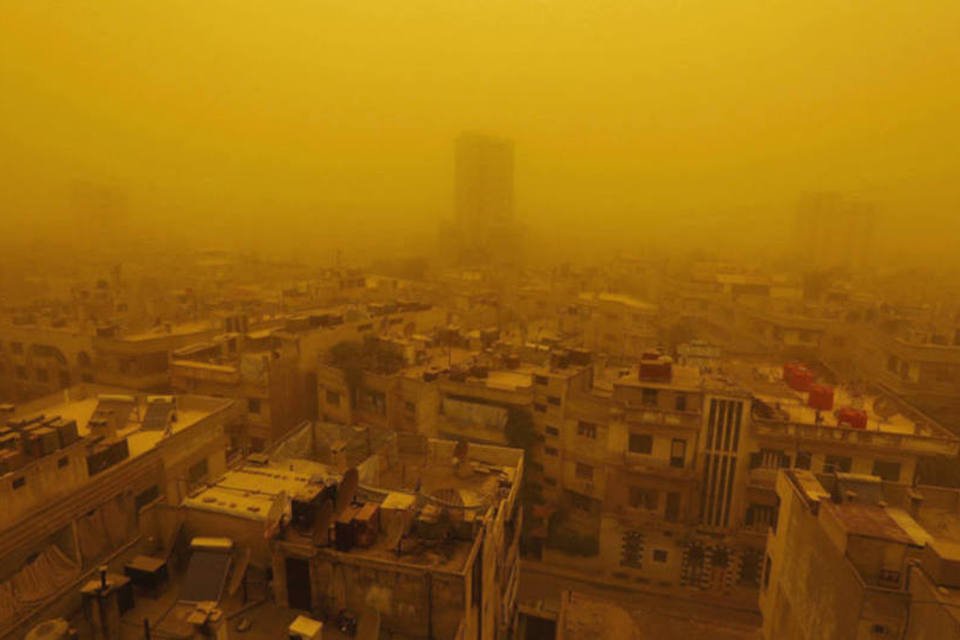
[49, 572]
[475, 413]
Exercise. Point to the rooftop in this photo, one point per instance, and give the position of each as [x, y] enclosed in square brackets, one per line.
[617, 298]
[80, 403]
[884, 413]
[404, 472]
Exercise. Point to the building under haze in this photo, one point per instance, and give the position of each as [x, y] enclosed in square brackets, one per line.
[835, 232]
[484, 228]
[853, 556]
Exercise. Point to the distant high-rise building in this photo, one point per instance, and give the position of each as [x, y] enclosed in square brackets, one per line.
[484, 180]
[484, 229]
[835, 232]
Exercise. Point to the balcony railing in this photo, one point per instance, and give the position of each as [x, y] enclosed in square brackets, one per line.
[638, 463]
[886, 440]
[220, 374]
[661, 417]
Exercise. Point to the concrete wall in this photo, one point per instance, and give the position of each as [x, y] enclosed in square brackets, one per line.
[929, 620]
[812, 591]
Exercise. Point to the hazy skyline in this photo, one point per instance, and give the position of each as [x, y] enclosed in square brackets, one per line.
[624, 114]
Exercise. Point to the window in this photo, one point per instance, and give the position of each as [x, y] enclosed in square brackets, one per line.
[678, 452]
[21, 372]
[584, 471]
[550, 451]
[554, 400]
[42, 375]
[760, 516]
[552, 431]
[542, 408]
[893, 364]
[750, 568]
[804, 458]
[409, 406]
[659, 555]
[649, 397]
[580, 502]
[769, 459]
[767, 568]
[889, 471]
[672, 511]
[253, 405]
[19, 482]
[641, 443]
[62, 462]
[642, 498]
[541, 380]
[146, 496]
[374, 401]
[16, 347]
[587, 430]
[680, 402]
[550, 481]
[333, 398]
[197, 472]
[839, 464]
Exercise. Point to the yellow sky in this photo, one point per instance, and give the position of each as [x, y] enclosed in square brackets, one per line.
[623, 111]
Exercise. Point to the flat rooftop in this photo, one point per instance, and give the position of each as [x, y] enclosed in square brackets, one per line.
[252, 491]
[884, 414]
[618, 298]
[80, 403]
[683, 377]
[410, 473]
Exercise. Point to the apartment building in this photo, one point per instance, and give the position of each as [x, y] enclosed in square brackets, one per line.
[421, 533]
[663, 474]
[651, 472]
[258, 370]
[38, 359]
[612, 323]
[853, 556]
[77, 469]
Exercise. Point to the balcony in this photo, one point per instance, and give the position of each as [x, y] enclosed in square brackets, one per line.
[204, 372]
[661, 417]
[881, 440]
[649, 465]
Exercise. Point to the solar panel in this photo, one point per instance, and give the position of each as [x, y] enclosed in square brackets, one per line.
[206, 576]
[157, 417]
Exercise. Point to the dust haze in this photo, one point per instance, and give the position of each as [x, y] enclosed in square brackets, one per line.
[303, 127]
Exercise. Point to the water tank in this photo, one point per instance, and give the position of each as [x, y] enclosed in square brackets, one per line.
[797, 376]
[852, 418]
[821, 397]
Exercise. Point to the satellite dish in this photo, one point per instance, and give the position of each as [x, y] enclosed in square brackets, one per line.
[885, 408]
[347, 489]
[321, 529]
[460, 451]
